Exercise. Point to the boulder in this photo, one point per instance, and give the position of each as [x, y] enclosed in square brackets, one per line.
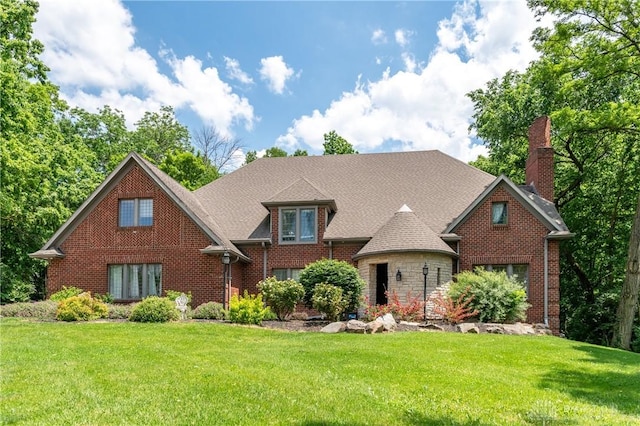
[408, 326]
[374, 327]
[467, 327]
[356, 326]
[389, 322]
[432, 327]
[334, 327]
[494, 329]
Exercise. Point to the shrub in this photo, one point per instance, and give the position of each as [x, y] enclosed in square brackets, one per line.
[412, 310]
[281, 296]
[154, 309]
[635, 341]
[105, 298]
[210, 310]
[453, 311]
[120, 311]
[328, 299]
[173, 295]
[336, 272]
[247, 309]
[44, 310]
[65, 293]
[81, 308]
[13, 289]
[496, 297]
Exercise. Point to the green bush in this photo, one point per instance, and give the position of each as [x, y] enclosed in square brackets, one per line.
[105, 298]
[120, 311]
[44, 310]
[173, 295]
[281, 296]
[336, 272]
[328, 299]
[65, 293]
[154, 309]
[635, 340]
[81, 308]
[248, 309]
[496, 297]
[13, 288]
[210, 310]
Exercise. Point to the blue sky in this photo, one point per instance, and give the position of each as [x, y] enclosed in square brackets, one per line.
[388, 76]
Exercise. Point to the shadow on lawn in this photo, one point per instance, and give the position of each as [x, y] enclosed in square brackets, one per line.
[615, 389]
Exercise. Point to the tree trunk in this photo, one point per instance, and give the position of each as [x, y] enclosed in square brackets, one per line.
[630, 289]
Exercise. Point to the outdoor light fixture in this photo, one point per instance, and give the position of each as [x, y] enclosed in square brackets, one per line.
[425, 272]
[398, 275]
[226, 260]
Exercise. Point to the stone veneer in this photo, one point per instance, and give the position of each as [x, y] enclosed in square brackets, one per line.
[410, 265]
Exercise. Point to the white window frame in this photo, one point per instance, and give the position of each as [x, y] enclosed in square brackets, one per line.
[136, 212]
[124, 279]
[297, 237]
[509, 267]
[289, 273]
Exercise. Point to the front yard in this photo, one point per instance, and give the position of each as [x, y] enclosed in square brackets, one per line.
[100, 373]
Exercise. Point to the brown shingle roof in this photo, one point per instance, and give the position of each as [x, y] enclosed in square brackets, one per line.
[367, 189]
[300, 192]
[404, 232]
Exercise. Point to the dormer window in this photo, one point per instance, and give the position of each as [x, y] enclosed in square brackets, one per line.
[135, 212]
[499, 213]
[298, 225]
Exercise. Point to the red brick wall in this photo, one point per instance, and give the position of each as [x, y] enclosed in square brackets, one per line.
[173, 240]
[521, 241]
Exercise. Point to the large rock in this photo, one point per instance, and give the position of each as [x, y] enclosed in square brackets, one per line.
[389, 322]
[432, 327]
[374, 327]
[408, 326]
[356, 326]
[518, 329]
[467, 327]
[334, 327]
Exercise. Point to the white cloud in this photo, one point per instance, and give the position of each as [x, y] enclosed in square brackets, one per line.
[275, 71]
[402, 37]
[235, 72]
[95, 60]
[425, 106]
[378, 37]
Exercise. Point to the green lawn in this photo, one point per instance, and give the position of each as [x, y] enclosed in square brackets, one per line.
[209, 373]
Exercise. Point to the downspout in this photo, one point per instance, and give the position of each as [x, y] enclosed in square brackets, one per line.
[264, 261]
[330, 249]
[546, 282]
[458, 259]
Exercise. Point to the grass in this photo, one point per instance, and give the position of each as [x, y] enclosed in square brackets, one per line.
[190, 373]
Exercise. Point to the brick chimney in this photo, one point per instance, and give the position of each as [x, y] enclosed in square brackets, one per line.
[539, 170]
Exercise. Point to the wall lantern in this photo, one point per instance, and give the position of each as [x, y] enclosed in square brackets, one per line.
[398, 275]
[425, 272]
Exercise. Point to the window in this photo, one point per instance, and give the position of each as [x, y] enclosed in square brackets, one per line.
[519, 272]
[298, 225]
[499, 213]
[284, 274]
[135, 281]
[136, 212]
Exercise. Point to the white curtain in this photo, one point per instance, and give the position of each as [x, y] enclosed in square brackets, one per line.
[151, 280]
[134, 285]
[115, 281]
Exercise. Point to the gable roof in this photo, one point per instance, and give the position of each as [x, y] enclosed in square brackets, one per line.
[300, 192]
[402, 233]
[366, 188]
[542, 209]
[183, 198]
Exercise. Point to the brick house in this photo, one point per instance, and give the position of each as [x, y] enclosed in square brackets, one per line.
[141, 233]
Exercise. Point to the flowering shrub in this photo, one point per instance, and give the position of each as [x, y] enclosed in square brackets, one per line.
[327, 299]
[453, 311]
[281, 296]
[65, 293]
[412, 310]
[44, 310]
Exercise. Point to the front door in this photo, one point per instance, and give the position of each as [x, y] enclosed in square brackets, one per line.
[382, 282]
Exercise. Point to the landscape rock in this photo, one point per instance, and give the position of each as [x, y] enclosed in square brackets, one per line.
[494, 329]
[334, 327]
[467, 327]
[356, 326]
[432, 327]
[389, 322]
[408, 326]
[374, 327]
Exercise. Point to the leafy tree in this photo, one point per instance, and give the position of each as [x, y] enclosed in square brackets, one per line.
[250, 157]
[336, 144]
[274, 151]
[587, 81]
[300, 153]
[45, 176]
[192, 171]
[335, 272]
[158, 133]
